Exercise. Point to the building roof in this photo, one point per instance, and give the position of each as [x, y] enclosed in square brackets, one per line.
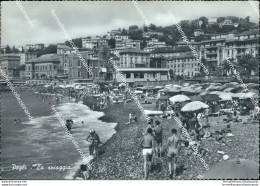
[250, 32]
[134, 50]
[185, 55]
[142, 69]
[45, 58]
[163, 50]
[64, 47]
[182, 48]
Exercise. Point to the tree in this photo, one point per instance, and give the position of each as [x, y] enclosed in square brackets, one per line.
[171, 73]
[112, 43]
[77, 42]
[51, 49]
[8, 50]
[220, 19]
[247, 18]
[124, 32]
[246, 64]
[15, 50]
[153, 27]
[145, 29]
[143, 44]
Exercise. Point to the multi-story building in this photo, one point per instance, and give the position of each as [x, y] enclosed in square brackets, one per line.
[152, 33]
[117, 37]
[211, 50]
[44, 67]
[94, 43]
[38, 46]
[23, 57]
[212, 21]
[153, 44]
[10, 64]
[62, 48]
[226, 23]
[169, 51]
[185, 64]
[103, 67]
[30, 55]
[74, 67]
[198, 32]
[135, 67]
[241, 44]
[129, 43]
[113, 33]
[163, 52]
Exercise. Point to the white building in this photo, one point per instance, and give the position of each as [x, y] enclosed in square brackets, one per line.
[117, 37]
[93, 43]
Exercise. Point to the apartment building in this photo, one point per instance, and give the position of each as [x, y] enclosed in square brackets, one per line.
[10, 64]
[184, 64]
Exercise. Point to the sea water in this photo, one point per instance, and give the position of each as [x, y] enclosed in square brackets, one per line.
[47, 136]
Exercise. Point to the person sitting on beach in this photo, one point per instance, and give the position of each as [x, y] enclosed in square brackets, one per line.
[130, 118]
[94, 140]
[220, 138]
[134, 118]
[172, 146]
[147, 144]
[158, 138]
[83, 173]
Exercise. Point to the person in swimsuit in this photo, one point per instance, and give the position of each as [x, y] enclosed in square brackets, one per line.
[158, 138]
[147, 144]
[173, 150]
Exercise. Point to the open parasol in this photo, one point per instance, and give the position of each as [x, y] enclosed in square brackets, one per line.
[210, 97]
[194, 106]
[225, 96]
[233, 169]
[179, 98]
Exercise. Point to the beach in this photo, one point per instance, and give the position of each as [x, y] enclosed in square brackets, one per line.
[44, 142]
[121, 157]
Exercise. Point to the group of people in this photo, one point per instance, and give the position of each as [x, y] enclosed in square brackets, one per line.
[152, 143]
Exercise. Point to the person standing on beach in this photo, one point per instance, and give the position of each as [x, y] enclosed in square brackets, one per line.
[158, 138]
[147, 144]
[173, 150]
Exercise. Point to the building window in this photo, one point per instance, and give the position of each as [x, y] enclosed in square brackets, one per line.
[136, 75]
[78, 63]
[128, 75]
[141, 75]
[79, 74]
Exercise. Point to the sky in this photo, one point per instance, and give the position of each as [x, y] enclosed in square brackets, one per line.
[81, 19]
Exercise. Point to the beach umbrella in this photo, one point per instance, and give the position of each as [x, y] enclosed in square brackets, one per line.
[159, 87]
[228, 89]
[194, 106]
[233, 169]
[187, 89]
[240, 95]
[186, 84]
[62, 86]
[138, 92]
[179, 98]
[122, 85]
[173, 90]
[177, 86]
[210, 97]
[226, 96]
[216, 92]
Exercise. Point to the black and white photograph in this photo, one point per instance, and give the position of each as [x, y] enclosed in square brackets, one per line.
[129, 90]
